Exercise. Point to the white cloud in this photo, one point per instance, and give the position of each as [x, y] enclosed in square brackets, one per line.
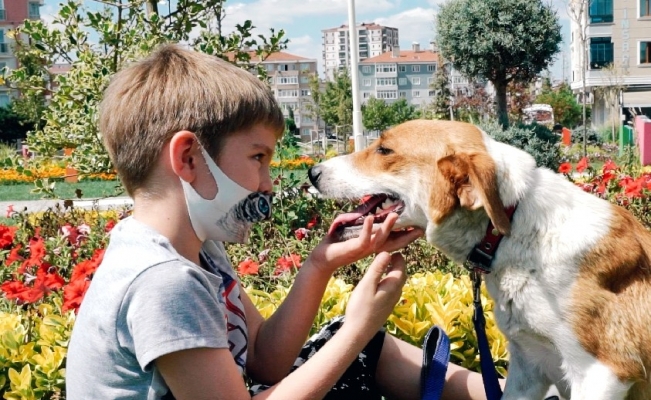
[305, 46]
[414, 25]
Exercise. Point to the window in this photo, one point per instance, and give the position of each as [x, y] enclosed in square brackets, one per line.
[415, 68]
[402, 81]
[366, 69]
[3, 46]
[33, 11]
[387, 94]
[645, 52]
[286, 67]
[305, 66]
[286, 80]
[288, 93]
[385, 68]
[601, 11]
[270, 67]
[431, 67]
[430, 80]
[415, 93]
[305, 131]
[367, 82]
[402, 95]
[305, 92]
[403, 68]
[366, 95]
[4, 100]
[3, 15]
[305, 79]
[601, 52]
[287, 106]
[645, 8]
[385, 81]
[270, 80]
[415, 81]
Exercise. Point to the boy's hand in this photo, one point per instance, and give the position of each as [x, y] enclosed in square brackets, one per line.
[376, 294]
[331, 254]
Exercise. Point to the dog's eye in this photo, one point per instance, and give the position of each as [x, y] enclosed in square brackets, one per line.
[383, 150]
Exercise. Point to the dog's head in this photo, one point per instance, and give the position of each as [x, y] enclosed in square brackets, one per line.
[424, 170]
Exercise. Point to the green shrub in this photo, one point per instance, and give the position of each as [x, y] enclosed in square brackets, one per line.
[535, 139]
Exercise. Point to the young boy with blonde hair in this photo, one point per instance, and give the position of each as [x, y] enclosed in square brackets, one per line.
[192, 138]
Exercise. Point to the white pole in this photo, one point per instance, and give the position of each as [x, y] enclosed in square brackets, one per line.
[354, 74]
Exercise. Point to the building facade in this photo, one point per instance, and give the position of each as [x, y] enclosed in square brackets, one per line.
[289, 76]
[12, 14]
[374, 40]
[397, 74]
[617, 51]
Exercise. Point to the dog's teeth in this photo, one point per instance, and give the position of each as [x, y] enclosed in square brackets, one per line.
[387, 203]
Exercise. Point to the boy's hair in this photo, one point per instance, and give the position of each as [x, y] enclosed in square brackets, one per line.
[174, 89]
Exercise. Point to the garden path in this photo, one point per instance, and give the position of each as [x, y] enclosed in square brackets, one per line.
[42, 205]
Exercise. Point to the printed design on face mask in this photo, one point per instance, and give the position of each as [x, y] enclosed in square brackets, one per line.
[254, 208]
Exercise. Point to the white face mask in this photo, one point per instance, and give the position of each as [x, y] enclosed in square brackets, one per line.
[229, 216]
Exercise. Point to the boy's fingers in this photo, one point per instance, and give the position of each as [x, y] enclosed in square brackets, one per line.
[367, 230]
[377, 269]
[398, 240]
[385, 229]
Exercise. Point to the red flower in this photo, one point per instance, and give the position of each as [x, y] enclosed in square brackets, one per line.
[7, 235]
[13, 289]
[610, 166]
[110, 224]
[74, 293]
[85, 269]
[13, 255]
[582, 165]
[248, 267]
[10, 211]
[625, 181]
[601, 189]
[565, 168]
[634, 189]
[301, 233]
[312, 223]
[286, 263]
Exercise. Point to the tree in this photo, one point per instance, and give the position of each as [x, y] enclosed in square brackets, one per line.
[401, 111]
[577, 10]
[610, 89]
[376, 114]
[519, 97]
[567, 111]
[440, 107]
[337, 100]
[475, 106]
[96, 44]
[12, 126]
[500, 40]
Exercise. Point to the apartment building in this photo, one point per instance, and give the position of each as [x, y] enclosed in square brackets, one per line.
[289, 77]
[399, 74]
[12, 14]
[618, 33]
[374, 40]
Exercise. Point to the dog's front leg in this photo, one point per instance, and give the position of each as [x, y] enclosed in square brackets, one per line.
[525, 381]
[599, 383]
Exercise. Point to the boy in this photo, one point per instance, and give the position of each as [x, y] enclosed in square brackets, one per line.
[192, 138]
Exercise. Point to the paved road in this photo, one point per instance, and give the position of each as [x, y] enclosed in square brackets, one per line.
[42, 205]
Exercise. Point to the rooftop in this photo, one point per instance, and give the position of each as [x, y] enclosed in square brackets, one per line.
[275, 57]
[367, 25]
[406, 56]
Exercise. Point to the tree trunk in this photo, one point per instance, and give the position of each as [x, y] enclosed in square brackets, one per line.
[502, 111]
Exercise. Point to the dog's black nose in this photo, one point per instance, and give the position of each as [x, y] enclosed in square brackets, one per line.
[314, 173]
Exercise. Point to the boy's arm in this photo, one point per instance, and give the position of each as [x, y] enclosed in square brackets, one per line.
[275, 343]
[210, 373]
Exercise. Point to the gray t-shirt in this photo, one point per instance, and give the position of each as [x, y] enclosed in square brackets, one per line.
[146, 301]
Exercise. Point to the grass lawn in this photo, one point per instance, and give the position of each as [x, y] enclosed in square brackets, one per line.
[89, 190]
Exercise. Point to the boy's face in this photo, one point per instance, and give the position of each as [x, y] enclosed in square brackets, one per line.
[246, 156]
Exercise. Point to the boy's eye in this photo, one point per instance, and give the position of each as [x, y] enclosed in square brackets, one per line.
[259, 157]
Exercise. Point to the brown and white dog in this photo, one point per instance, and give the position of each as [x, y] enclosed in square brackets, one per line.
[571, 279]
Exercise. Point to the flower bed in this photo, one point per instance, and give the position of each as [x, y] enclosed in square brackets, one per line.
[48, 260]
[51, 171]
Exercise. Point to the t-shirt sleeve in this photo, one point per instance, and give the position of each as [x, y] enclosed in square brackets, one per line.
[171, 307]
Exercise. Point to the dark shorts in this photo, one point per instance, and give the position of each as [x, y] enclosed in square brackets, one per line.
[358, 382]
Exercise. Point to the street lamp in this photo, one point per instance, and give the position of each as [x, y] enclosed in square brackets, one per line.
[354, 75]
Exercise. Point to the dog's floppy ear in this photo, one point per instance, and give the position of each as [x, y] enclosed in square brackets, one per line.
[472, 177]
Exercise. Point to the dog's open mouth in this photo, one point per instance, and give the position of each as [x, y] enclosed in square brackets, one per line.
[347, 226]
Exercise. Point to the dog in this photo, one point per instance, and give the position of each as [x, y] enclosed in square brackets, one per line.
[571, 278]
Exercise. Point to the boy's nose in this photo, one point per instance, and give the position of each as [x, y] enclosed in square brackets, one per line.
[266, 185]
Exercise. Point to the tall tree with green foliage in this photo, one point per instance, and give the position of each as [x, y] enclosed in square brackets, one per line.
[440, 107]
[567, 111]
[97, 44]
[377, 114]
[500, 40]
[402, 111]
[337, 100]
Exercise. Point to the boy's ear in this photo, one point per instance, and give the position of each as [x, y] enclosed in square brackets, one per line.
[184, 154]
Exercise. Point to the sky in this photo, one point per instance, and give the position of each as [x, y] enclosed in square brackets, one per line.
[303, 20]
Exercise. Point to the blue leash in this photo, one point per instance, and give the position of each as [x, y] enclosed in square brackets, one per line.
[436, 355]
[488, 373]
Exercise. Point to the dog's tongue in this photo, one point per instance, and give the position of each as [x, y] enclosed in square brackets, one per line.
[354, 215]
